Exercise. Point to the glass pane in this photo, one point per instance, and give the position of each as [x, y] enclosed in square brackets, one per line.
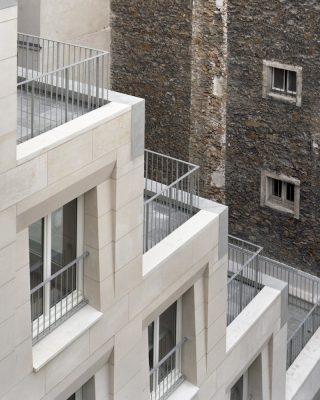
[276, 188]
[167, 340]
[278, 79]
[151, 351]
[290, 192]
[292, 81]
[36, 247]
[237, 390]
[63, 250]
[72, 397]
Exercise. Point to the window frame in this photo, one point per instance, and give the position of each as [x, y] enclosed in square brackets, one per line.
[268, 199]
[155, 348]
[42, 322]
[270, 91]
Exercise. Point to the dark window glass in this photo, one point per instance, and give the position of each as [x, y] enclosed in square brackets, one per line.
[237, 390]
[167, 339]
[276, 188]
[72, 397]
[63, 250]
[292, 81]
[290, 192]
[36, 250]
[278, 79]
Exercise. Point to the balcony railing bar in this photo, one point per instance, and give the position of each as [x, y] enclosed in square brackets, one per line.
[57, 298]
[168, 355]
[61, 271]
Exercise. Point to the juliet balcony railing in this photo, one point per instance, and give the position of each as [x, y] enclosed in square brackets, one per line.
[171, 195]
[57, 82]
[166, 375]
[56, 298]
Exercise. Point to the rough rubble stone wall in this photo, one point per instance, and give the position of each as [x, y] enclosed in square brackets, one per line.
[151, 58]
[270, 134]
[208, 99]
[170, 52]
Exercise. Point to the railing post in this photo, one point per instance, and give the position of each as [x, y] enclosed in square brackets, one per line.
[256, 262]
[170, 210]
[97, 82]
[146, 226]
[66, 96]
[32, 109]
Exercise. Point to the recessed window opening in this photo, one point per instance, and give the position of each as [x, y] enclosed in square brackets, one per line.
[284, 81]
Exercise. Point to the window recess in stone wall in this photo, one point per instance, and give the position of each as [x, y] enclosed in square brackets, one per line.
[56, 267]
[280, 192]
[165, 351]
[282, 82]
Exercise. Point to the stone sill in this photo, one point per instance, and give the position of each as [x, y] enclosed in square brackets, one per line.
[283, 97]
[185, 391]
[56, 341]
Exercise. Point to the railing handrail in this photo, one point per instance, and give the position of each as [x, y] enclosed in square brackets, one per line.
[56, 71]
[244, 241]
[62, 42]
[61, 271]
[171, 158]
[303, 322]
[155, 196]
[234, 276]
[172, 351]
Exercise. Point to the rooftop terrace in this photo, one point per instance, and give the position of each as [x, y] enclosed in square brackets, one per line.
[57, 82]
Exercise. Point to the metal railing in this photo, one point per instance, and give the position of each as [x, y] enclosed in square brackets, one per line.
[171, 195]
[245, 277]
[304, 294]
[303, 334]
[57, 82]
[303, 288]
[57, 298]
[166, 376]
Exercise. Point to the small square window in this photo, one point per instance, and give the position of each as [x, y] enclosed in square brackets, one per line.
[282, 82]
[280, 192]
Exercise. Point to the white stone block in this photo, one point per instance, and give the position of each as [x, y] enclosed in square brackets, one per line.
[8, 112]
[98, 201]
[28, 178]
[8, 30]
[8, 76]
[7, 303]
[128, 247]
[57, 369]
[7, 263]
[8, 378]
[127, 338]
[22, 286]
[112, 321]
[22, 323]
[128, 217]
[129, 187]
[111, 135]
[24, 359]
[128, 277]
[69, 157]
[6, 337]
[22, 248]
[99, 231]
[99, 264]
[7, 150]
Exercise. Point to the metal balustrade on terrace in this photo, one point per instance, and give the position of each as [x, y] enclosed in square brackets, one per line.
[246, 269]
[170, 196]
[57, 82]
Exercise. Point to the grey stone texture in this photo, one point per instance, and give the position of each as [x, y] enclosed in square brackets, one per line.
[172, 53]
[270, 134]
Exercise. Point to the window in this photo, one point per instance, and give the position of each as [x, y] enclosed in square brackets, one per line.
[165, 343]
[280, 192]
[282, 82]
[55, 244]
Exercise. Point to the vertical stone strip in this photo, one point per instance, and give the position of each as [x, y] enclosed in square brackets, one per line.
[208, 94]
